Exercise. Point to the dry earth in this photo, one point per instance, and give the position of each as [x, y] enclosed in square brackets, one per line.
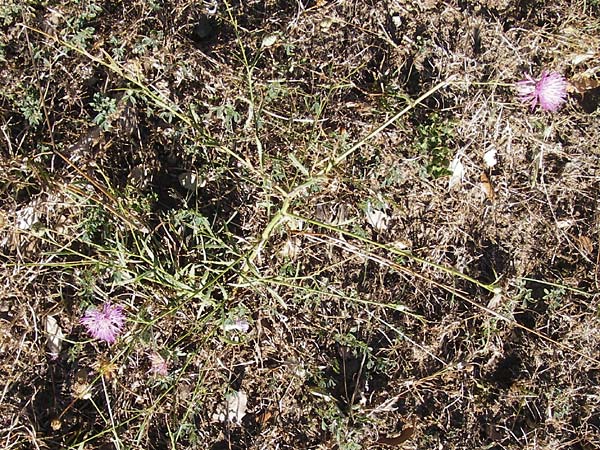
[264, 164]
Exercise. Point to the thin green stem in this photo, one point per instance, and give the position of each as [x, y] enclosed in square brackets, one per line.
[560, 286]
[396, 251]
[117, 441]
[384, 125]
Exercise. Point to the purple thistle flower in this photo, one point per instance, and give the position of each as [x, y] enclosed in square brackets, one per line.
[549, 91]
[104, 324]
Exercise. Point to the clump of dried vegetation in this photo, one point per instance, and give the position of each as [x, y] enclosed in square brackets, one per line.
[328, 224]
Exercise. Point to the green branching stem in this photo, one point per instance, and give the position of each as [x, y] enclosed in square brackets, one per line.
[403, 253]
[386, 124]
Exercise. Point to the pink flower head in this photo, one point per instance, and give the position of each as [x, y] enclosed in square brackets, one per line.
[104, 324]
[158, 364]
[550, 91]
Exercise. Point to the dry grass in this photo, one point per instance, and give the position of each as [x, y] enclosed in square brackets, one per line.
[269, 164]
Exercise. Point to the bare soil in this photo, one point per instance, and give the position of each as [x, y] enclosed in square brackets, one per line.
[182, 159]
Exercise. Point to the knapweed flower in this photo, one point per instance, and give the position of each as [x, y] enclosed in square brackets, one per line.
[106, 368]
[241, 325]
[104, 324]
[158, 364]
[549, 91]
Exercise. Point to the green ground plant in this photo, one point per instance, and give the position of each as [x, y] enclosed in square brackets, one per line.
[434, 142]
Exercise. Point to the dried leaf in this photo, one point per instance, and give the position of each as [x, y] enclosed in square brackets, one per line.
[326, 24]
[26, 218]
[496, 301]
[583, 82]
[236, 402]
[389, 405]
[458, 173]
[579, 58]
[81, 387]
[291, 248]
[404, 436]
[486, 186]
[265, 417]
[191, 181]
[586, 244]
[490, 158]
[54, 336]
[377, 218]
[269, 41]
